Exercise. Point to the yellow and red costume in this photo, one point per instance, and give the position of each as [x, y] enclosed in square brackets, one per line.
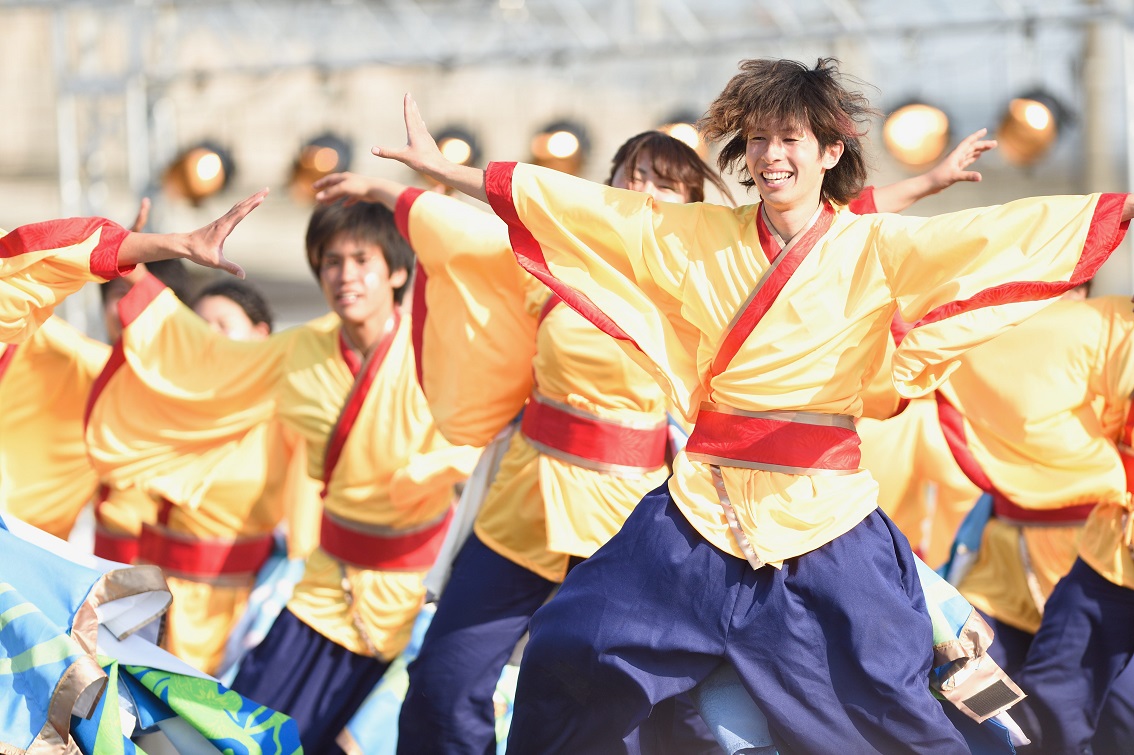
[45, 476]
[1042, 442]
[386, 473]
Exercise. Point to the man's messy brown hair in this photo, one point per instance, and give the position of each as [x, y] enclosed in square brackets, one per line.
[779, 93]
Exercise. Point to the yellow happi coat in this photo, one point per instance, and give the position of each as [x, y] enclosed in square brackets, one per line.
[45, 477]
[1044, 405]
[395, 469]
[669, 279]
[484, 329]
[240, 487]
[43, 263]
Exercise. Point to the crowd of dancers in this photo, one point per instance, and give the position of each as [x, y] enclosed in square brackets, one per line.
[796, 475]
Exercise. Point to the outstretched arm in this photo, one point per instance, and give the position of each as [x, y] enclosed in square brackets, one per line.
[421, 154]
[900, 195]
[204, 246]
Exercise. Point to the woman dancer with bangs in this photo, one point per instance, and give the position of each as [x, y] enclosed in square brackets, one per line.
[766, 547]
[591, 443]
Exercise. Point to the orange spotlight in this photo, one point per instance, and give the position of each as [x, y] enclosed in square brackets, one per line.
[199, 172]
[1030, 127]
[916, 134]
[682, 127]
[319, 157]
[562, 145]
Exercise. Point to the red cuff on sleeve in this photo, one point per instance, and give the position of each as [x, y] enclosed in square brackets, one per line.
[863, 204]
[138, 298]
[1105, 233]
[402, 210]
[57, 234]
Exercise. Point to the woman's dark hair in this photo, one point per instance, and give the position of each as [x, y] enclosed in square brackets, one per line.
[244, 295]
[363, 221]
[786, 93]
[672, 159]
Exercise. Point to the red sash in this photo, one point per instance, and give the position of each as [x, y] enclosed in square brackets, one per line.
[202, 558]
[383, 548]
[804, 443]
[358, 393]
[786, 262]
[108, 544]
[953, 428]
[185, 555]
[604, 445]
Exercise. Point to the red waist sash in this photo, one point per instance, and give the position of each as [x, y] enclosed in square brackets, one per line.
[115, 546]
[383, 548]
[1013, 514]
[803, 443]
[108, 544]
[203, 558]
[591, 442]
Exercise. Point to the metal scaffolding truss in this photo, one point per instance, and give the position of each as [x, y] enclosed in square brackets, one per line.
[254, 36]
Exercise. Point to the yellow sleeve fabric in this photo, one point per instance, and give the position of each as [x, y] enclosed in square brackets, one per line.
[45, 476]
[946, 272]
[42, 263]
[476, 329]
[1044, 403]
[178, 394]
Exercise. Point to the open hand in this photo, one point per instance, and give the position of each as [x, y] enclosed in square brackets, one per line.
[205, 246]
[954, 167]
[420, 152]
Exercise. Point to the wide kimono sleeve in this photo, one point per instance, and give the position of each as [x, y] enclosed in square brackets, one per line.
[966, 276]
[43, 263]
[45, 476]
[175, 396]
[618, 258]
[473, 337]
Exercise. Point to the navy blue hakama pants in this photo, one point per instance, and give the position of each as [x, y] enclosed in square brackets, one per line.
[835, 647]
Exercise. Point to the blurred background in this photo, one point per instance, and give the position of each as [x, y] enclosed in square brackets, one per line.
[199, 103]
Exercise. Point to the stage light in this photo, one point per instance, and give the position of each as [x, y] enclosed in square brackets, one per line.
[199, 172]
[916, 134]
[683, 128]
[1030, 127]
[562, 145]
[319, 157]
[459, 146]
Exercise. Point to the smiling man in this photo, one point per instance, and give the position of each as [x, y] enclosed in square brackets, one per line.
[763, 324]
[345, 384]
